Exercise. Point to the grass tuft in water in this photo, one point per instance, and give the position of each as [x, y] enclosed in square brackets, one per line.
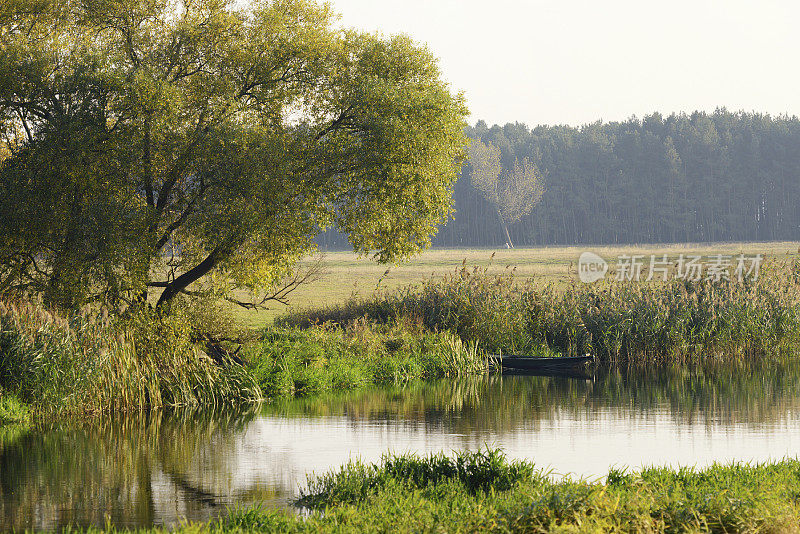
[479, 471]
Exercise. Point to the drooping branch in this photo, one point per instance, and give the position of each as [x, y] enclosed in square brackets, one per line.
[281, 293]
[148, 165]
[180, 220]
[39, 111]
[336, 123]
[180, 165]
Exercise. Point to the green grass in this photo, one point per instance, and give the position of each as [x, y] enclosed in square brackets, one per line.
[677, 320]
[89, 364]
[12, 410]
[485, 492]
[345, 275]
[297, 362]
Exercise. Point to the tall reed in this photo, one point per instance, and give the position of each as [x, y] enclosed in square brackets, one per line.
[295, 362]
[617, 321]
[87, 363]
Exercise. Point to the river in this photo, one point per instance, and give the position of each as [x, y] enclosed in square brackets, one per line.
[162, 468]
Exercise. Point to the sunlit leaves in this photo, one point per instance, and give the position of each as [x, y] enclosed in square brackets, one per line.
[208, 139]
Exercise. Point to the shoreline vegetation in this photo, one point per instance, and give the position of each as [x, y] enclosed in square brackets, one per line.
[618, 322]
[90, 363]
[483, 491]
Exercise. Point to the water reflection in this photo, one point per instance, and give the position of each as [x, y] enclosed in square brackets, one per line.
[140, 470]
[159, 468]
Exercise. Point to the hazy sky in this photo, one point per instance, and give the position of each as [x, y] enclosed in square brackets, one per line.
[577, 61]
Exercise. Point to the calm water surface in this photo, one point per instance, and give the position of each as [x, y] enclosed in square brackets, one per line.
[159, 469]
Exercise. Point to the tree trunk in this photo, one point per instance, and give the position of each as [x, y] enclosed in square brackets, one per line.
[192, 275]
[504, 226]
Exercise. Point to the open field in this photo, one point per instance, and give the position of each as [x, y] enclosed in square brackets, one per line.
[346, 275]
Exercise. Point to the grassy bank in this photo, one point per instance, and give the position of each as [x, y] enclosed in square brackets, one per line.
[295, 362]
[446, 326]
[53, 366]
[91, 364]
[617, 321]
[485, 492]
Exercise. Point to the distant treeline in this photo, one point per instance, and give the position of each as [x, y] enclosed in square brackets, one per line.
[683, 178]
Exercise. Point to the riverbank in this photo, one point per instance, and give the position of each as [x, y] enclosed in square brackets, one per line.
[52, 366]
[91, 363]
[630, 322]
[485, 492]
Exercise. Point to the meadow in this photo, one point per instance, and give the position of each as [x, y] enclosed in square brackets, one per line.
[345, 276]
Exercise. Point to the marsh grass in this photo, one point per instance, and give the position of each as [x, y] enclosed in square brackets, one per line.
[481, 471]
[676, 320]
[12, 410]
[89, 364]
[347, 276]
[301, 362]
[484, 492]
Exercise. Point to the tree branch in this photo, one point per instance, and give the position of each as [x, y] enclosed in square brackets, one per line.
[180, 220]
[148, 165]
[281, 294]
[195, 273]
[335, 124]
[180, 165]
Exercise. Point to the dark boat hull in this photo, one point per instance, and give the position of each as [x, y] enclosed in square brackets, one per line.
[521, 363]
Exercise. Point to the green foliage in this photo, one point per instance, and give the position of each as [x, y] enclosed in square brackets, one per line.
[516, 497]
[479, 471]
[157, 145]
[11, 409]
[87, 364]
[355, 482]
[616, 321]
[294, 362]
[720, 498]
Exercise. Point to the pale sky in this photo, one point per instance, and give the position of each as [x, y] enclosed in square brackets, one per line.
[577, 61]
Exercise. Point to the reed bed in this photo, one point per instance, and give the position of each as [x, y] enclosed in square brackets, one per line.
[677, 320]
[90, 364]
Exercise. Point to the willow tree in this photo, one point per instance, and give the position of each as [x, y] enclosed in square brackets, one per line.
[156, 147]
[513, 192]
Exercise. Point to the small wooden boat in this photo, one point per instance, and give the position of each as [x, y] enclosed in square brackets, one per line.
[525, 363]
